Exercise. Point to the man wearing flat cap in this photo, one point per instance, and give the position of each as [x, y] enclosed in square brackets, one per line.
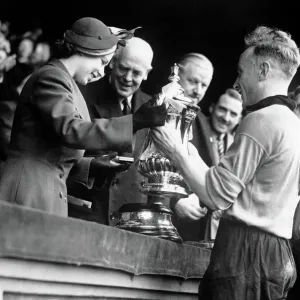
[52, 127]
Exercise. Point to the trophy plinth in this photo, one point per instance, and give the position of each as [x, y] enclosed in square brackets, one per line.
[153, 219]
[164, 181]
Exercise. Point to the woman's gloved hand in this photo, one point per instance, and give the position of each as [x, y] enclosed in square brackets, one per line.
[154, 112]
[105, 165]
[149, 116]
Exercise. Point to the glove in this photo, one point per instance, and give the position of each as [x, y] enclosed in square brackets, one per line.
[106, 166]
[149, 116]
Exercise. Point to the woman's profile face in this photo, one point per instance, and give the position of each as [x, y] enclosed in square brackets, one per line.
[90, 68]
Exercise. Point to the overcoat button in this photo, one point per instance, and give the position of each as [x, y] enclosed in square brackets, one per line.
[60, 194]
[112, 216]
[115, 182]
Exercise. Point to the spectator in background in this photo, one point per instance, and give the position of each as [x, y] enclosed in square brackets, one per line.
[25, 49]
[41, 54]
[295, 95]
[195, 72]
[11, 77]
[8, 98]
[224, 117]
[23, 68]
[295, 242]
[23, 46]
[5, 28]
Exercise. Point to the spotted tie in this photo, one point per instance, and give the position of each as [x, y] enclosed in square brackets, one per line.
[126, 109]
[220, 144]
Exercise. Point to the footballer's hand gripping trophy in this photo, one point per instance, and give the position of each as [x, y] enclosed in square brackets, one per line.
[164, 182]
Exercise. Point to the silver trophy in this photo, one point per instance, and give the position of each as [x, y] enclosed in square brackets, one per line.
[164, 182]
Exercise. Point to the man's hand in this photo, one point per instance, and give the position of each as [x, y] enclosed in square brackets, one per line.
[189, 208]
[169, 141]
[217, 214]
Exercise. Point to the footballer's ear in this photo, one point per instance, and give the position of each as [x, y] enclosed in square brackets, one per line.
[264, 70]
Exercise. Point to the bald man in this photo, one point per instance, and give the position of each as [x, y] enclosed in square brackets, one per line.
[195, 72]
[115, 95]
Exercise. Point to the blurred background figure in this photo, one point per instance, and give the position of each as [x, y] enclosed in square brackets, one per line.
[4, 28]
[41, 54]
[8, 97]
[295, 242]
[20, 55]
[295, 95]
[23, 46]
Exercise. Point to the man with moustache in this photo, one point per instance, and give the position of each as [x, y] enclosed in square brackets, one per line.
[115, 95]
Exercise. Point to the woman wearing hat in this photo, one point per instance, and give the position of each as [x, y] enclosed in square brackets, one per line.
[52, 127]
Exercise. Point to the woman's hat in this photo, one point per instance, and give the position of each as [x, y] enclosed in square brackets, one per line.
[91, 36]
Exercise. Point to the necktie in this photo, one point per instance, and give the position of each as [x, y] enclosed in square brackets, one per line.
[220, 144]
[126, 109]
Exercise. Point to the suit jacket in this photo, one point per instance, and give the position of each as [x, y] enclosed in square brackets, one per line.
[125, 187]
[204, 142]
[50, 133]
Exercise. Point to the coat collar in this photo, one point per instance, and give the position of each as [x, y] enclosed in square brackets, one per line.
[57, 63]
[278, 99]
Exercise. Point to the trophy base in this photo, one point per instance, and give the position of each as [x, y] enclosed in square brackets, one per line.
[150, 219]
[165, 190]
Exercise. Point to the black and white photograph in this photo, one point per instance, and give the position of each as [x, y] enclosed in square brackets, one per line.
[149, 150]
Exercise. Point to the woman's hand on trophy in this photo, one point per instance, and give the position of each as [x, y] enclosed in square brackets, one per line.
[189, 208]
[107, 164]
[149, 116]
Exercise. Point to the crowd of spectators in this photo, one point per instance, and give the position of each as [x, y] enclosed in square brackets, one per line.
[20, 55]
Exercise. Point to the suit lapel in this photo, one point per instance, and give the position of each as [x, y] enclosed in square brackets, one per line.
[107, 105]
[202, 139]
[138, 99]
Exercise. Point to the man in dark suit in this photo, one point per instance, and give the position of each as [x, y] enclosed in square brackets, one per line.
[115, 95]
[196, 73]
[217, 129]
